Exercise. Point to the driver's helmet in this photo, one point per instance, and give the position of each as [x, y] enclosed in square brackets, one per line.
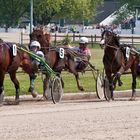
[35, 44]
[83, 40]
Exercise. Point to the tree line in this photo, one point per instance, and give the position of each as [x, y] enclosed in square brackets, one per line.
[12, 12]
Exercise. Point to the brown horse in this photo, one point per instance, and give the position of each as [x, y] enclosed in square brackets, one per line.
[116, 61]
[52, 55]
[10, 60]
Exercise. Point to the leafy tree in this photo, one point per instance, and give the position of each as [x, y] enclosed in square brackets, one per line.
[128, 8]
[130, 3]
[46, 10]
[12, 10]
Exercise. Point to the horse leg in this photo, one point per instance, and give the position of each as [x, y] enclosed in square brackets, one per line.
[1, 94]
[1, 89]
[16, 83]
[117, 78]
[62, 82]
[78, 82]
[45, 86]
[118, 75]
[72, 68]
[134, 83]
[111, 85]
[31, 88]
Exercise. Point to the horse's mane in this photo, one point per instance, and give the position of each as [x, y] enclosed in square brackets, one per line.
[44, 31]
[116, 40]
[115, 37]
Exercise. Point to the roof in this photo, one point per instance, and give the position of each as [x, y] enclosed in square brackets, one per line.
[105, 10]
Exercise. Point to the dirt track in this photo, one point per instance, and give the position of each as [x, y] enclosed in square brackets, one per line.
[71, 120]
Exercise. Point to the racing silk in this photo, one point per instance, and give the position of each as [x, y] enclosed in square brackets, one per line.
[85, 51]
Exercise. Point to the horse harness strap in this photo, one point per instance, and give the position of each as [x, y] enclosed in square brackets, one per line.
[112, 46]
[117, 48]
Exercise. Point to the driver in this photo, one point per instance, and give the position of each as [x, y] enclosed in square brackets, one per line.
[83, 51]
[35, 48]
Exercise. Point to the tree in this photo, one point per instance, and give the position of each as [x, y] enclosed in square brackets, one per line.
[127, 9]
[130, 3]
[12, 10]
[46, 10]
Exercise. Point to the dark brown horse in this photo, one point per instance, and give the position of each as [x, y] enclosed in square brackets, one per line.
[116, 61]
[52, 55]
[10, 60]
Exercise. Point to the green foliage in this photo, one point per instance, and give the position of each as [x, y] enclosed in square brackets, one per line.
[66, 40]
[79, 9]
[46, 10]
[12, 10]
[128, 8]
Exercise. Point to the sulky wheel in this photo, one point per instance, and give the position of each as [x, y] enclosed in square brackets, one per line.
[107, 92]
[100, 86]
[56, 89]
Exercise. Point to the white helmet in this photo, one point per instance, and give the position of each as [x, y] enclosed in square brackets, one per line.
[83, 40]
[36, 44]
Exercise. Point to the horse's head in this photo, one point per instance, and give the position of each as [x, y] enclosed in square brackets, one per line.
[41, 35]
[109, 38]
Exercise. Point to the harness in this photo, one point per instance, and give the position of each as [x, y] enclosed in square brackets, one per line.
[117, 48]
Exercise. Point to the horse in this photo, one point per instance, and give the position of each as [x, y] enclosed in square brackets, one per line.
[117, 59]
[11, 59]
[52, 55]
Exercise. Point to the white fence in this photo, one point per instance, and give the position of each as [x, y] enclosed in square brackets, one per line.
[23, 38]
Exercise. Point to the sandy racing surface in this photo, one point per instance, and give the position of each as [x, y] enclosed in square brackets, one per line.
[71, 120]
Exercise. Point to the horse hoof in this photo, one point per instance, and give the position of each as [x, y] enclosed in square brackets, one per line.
[112, 98]
[81, 89]
[12, 102]
[132, 99]
[34, 94]
[17, 102]
[120, 84]
[1, 98]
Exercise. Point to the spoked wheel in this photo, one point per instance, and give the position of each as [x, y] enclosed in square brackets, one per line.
[100, 86]
[56, 89]
[107, 92]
